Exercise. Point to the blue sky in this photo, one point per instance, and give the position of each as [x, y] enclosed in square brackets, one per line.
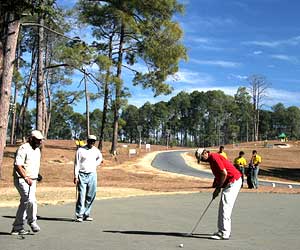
[229, 40]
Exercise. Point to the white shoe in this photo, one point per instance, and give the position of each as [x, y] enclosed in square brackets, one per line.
[79, 219]
[88, 218]
[19, 232]
[219, 236]
[35, 227]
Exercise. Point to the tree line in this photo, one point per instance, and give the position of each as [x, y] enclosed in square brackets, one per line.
[197, 119]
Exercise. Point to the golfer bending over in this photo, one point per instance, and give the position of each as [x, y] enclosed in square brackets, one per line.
[87, 159]
[26, 170]
[228, 179]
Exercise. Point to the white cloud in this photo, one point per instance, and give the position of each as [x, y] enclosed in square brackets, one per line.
[287, 58]
[257, 52]
[288, 98]
[238, 77]
[220, 63]
[201, 40]
[293, 41]
[212, 22]
[228, 90]
[205, 43]
[192, 77]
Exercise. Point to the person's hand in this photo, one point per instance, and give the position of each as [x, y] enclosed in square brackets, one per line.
[40, 178]
[28, 180]
[216, 192]
[75, 180]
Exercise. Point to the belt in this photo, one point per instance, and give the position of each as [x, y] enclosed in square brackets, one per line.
[81, 172]
[28, 176]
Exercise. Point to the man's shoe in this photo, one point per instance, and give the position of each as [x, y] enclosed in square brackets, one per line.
[35, 227]
[19, 232]
[88, 218]
[79, 219]
[219, 236]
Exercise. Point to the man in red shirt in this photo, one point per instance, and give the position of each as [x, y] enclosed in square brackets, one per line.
[228, 180]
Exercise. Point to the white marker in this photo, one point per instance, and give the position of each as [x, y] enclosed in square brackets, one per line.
[290, 186]
[273, 185]
[181, 245]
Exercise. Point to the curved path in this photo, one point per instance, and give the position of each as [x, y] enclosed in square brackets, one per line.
[172, 161]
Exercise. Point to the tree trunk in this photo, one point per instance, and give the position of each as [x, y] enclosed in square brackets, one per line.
[87, 106]
[14, 108]
[8, 54]
[118, 93]
[40, 79]
[24, 103]
[49, 108]
[106, 97]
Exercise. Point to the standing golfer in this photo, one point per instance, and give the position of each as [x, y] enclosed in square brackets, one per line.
[87, 159]
[26, 170]
[227, 179]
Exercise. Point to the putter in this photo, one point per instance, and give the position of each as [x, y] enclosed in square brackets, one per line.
[76, 193]
[196, 225]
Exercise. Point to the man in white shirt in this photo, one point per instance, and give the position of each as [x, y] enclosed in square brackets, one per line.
[26, 171]
[87, 159]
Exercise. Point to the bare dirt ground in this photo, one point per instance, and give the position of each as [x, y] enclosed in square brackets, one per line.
[125, 175]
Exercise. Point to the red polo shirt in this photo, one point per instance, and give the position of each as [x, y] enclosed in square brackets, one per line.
[218, 163]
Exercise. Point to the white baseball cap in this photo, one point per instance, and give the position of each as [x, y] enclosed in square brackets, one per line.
[92, 137]
[37, 134]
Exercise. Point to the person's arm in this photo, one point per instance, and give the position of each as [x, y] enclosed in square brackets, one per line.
[76, 167]
[99, 158]
[21, 171]
[220, 183]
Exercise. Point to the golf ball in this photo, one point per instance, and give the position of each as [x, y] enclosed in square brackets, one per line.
[180, 245]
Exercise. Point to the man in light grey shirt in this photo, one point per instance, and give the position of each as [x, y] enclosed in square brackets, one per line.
[26, 170]
[87, 159]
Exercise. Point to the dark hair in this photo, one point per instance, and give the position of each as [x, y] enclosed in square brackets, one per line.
[254, 152]
[241, 153]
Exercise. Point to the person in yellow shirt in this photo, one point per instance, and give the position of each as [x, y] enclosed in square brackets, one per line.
[240, 163]
[254, 163]
[221, 152]
[79, 143]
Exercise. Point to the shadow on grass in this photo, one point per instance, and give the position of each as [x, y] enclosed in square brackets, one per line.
[292, 174]
[173, 234]
[45, 218]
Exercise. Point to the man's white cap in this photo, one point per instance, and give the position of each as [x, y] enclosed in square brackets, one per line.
[92, 137]
[37, 134]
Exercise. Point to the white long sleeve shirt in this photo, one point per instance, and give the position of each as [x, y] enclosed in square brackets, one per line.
[87, 160]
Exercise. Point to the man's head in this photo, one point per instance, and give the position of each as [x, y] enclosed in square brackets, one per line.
[254, 152]
[221, 148]
[204, 155]
[91, 140]
[35, 138]
[241, 153]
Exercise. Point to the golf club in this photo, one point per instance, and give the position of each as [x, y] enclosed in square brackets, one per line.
[76, 193]
[196, 225]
